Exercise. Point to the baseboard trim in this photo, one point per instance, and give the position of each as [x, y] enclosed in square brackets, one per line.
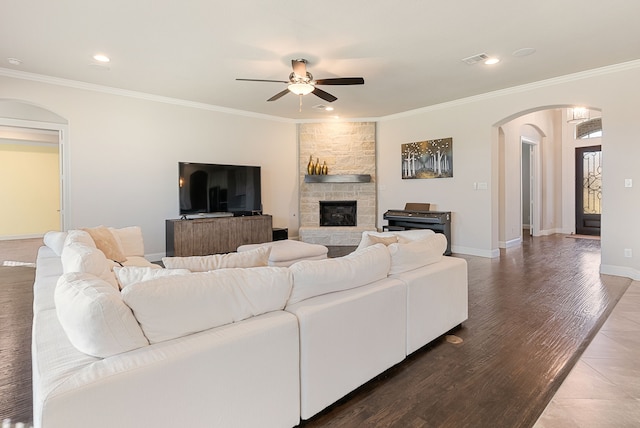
[491, 254]
[624, 271]
[14, 237]
[510, 244]
[547, 232]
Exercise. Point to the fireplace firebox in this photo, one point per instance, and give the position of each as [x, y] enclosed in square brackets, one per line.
[338, 213]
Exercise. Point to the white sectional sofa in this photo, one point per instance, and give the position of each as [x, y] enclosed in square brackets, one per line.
[230, 342]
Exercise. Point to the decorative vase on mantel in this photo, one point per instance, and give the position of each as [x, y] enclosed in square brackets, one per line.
[318, 167]
[325, 168]
[311, 169]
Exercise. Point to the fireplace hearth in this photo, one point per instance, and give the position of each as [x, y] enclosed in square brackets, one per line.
[338, 213]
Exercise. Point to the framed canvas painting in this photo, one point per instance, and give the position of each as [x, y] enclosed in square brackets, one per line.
[427, 159]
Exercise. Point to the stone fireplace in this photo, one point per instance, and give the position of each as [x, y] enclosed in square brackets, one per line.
[338, 213]
[349, 149]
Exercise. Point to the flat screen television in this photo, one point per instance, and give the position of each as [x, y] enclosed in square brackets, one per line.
[212, 188]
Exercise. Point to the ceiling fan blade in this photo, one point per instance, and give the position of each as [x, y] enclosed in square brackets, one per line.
[279, 95]
[262, 80]
[299, 67]
[341, 81]
[324, 95]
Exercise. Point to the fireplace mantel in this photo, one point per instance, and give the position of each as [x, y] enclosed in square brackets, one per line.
[338, 178]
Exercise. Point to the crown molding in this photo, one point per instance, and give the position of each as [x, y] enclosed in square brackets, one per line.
[41, 78]
[610, 69]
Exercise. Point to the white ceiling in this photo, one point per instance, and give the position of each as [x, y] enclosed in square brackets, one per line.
[408, 51]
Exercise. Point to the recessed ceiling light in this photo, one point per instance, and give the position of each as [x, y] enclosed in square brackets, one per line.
[524, 52]
[328, 108]
[491, 61]
[14, 61]
[101, 58]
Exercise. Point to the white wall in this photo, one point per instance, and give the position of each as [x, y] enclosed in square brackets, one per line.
[124, 151]
[473, 124]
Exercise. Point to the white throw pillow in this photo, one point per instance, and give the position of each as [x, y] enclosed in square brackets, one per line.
[415, 254]
[55, 240]
[82, 258]
[402, 236]
[131, 240]
[128, 275]
[253, 258]
[94, 317]
[178, 305]
[315, 277]
[76, 236]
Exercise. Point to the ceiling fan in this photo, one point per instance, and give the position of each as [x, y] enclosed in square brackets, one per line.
[301, 82]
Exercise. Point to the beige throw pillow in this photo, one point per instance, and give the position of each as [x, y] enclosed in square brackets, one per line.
[130, 239]
[107, 243]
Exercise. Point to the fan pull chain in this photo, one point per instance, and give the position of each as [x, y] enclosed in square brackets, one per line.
[300, 109]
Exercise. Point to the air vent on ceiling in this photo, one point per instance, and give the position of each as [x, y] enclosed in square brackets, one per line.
[320, 107]
[476, 58]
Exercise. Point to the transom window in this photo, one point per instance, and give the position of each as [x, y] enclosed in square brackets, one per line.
[589, 129]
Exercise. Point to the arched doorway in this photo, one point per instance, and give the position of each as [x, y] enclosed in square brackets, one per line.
[32, 137]
[551, 136]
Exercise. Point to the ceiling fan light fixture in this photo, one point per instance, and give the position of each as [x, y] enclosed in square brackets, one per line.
[301, 88]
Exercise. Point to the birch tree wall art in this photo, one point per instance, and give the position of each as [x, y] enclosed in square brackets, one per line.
[428, 159]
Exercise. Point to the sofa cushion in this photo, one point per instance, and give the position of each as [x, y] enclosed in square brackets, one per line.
[418, 253]
[82, 258]
[404, 236]
[315, 277]
[55, 240]
[128, 275]
[107, 243]
[252, 258]
[288, 251]
[178, 305]
[131, 240]
[94, 317]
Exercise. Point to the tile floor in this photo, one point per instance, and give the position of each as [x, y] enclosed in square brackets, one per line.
[603, 389]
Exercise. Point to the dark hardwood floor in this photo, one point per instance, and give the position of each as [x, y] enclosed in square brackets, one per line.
[16, 314]
[532, 312]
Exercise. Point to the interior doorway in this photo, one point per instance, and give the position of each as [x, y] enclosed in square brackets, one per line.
[527, 169]
[30, 133]
[588, 190]
[30, 181]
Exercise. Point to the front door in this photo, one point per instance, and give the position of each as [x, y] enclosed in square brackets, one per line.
[588, 190]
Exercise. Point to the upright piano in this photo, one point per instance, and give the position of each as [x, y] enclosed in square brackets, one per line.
[415, 216]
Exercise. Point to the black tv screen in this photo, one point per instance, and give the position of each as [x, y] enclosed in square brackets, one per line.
[213, 188]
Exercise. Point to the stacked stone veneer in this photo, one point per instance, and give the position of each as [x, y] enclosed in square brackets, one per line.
[347, 148]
